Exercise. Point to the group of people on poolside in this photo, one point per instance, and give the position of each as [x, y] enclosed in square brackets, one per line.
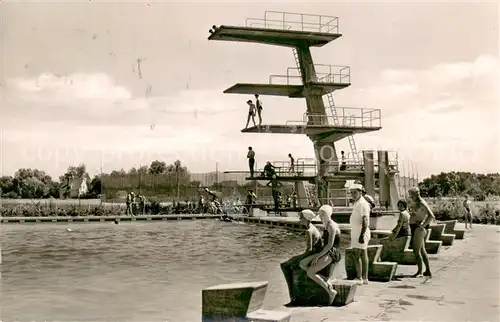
[135, 202]
[323, 250]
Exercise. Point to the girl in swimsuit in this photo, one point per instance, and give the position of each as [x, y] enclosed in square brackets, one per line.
[314, 244]
[402, 228]
[420, 217]
[329, 254]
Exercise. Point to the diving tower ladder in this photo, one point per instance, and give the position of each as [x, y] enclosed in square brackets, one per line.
[333, 110]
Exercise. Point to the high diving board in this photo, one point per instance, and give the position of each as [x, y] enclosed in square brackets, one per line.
[271, 36]
[284, 178]
[266, 89]
[335, 131]
[291, 91]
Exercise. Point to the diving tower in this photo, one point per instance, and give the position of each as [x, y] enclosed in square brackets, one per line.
[323, 125]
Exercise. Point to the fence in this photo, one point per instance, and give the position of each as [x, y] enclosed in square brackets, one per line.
[168, 187]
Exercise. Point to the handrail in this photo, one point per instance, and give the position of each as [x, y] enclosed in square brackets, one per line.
[271, 77]
[331, 24]
[329, 74]
[293, 122]
[283, 168]
[252, 22]
[346, 116]
[312, 160]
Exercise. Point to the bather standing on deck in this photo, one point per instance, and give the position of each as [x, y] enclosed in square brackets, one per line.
[420, 218]
[360, 232]
[258, 105]
[330, 254]
[468, 212]
[130, 204]
[314, 244]
[251, 113]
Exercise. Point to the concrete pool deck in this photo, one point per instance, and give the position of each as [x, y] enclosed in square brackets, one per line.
[464, 287]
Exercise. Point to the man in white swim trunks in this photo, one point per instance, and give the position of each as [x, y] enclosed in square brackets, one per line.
[360, 232]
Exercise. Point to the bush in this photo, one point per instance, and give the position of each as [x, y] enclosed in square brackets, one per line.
[447, 209]
[482, 212]
[35, 210]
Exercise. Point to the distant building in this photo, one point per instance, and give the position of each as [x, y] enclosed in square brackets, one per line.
[74, 188]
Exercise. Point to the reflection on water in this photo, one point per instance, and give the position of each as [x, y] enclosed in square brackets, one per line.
[135, 271]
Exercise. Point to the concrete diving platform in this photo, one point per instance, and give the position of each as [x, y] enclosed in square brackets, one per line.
[328, 78]
[345, 122]
[335, 132]
[281, 29]
[290, 91]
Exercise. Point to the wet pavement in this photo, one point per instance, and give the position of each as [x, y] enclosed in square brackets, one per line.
[464, 287]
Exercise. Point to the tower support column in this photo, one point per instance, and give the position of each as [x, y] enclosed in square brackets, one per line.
[369, 169]
[383, 178]
[326, 157]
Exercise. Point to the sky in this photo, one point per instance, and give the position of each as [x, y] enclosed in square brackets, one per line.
[71, 89]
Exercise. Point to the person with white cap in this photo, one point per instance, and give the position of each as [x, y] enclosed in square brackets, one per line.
[360, 232]
[329, 254]
[313, 245]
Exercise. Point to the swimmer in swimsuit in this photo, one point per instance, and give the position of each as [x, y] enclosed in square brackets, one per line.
[468, 212]
[314, 244]
[329, 254]
[402, 228]
[421, 216]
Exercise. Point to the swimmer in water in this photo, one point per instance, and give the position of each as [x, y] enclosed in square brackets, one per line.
[421, 216]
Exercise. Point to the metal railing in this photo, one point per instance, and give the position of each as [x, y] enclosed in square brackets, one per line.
[336, 194]
[308, 167]
[347, 117]
[285, 80]
[325, 74]
[281, 20]
[302, 167]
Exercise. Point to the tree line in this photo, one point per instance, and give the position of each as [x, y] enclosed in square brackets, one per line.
[451, 184]
[35, 183]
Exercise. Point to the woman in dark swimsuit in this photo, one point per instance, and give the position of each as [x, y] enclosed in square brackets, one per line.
[329, 254]
[314, 245]
[402, 228]
[420, 218]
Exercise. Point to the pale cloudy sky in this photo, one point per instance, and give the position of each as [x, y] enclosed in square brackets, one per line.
[71, 92]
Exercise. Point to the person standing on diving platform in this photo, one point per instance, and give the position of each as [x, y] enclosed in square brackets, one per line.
[258, 105]
[275, 185]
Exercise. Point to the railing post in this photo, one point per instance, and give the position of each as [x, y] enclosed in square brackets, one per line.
[283, 20]
[302, 21]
